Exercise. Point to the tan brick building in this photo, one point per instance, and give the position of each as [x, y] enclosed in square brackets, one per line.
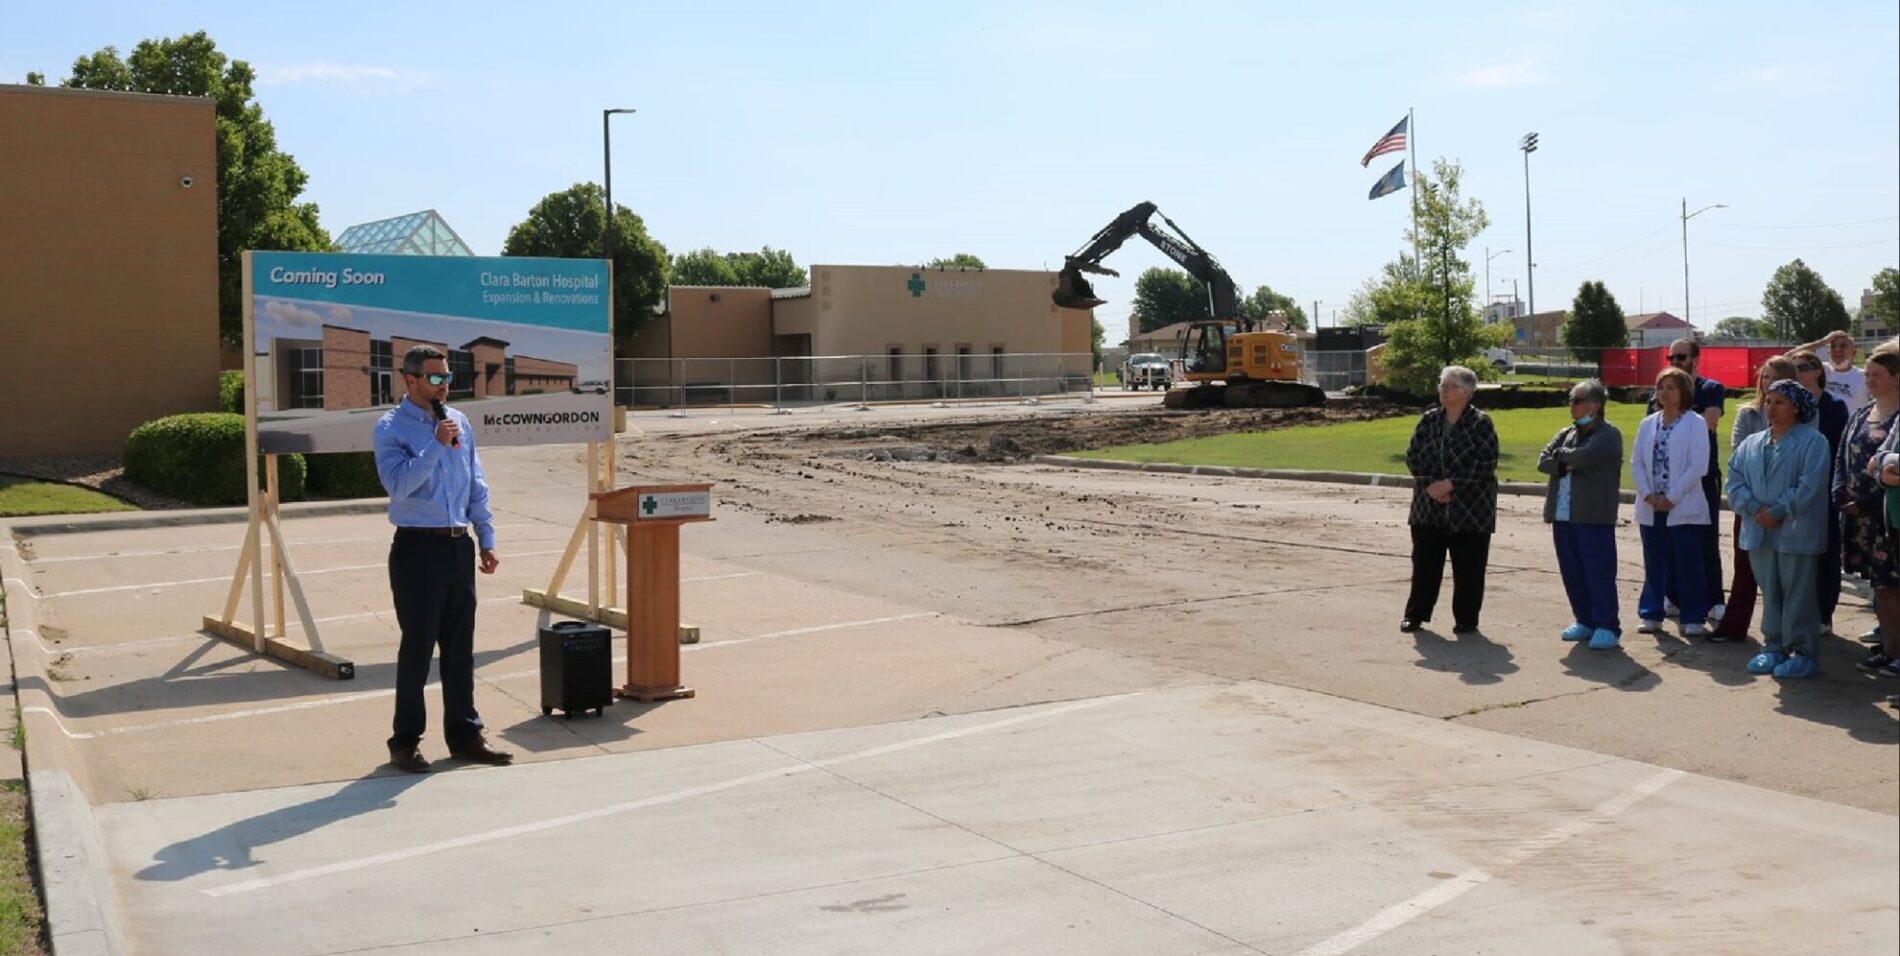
[108, 266]
[348, 369]
[910, 332]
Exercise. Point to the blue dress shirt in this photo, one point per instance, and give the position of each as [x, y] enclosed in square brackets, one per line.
[431, 485]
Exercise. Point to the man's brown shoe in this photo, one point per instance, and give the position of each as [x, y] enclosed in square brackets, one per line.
[408, 758]
[479, 751]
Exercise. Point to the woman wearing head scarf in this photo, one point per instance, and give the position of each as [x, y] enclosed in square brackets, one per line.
[1667, 463]
[1778, 484]
[1453, 458]
[1585, 465]
[1741, 592]
[1830, 417]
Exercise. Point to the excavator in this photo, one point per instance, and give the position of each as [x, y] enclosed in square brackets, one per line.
[1228, 362]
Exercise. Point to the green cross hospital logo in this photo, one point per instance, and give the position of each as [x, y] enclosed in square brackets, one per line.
[649, 504]
[915, 285]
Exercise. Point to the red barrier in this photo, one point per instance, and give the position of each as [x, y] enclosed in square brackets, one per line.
[1733, 366]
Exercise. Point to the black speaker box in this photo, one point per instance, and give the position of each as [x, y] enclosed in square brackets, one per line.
[577, 663]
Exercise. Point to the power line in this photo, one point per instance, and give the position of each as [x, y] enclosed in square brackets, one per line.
[1824, 225]
[1843, 245]
[1584, 262]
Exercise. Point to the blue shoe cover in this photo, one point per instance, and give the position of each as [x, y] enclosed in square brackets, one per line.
[1603, 640]
[1576, 632]
[1797, 666]
[1765, 662]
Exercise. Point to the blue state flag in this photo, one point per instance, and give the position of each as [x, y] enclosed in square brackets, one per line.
[1390, 182]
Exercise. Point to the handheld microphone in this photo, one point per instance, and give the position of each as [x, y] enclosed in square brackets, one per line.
[441, 414]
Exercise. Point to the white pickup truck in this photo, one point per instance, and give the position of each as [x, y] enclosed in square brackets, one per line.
[1147, 369]
[1501, 359]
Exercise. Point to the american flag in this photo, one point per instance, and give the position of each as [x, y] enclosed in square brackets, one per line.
[1389, 143]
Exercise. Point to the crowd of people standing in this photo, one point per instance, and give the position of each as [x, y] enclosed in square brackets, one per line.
[1812, 480]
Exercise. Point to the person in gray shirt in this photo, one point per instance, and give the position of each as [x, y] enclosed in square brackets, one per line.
[1585, 465]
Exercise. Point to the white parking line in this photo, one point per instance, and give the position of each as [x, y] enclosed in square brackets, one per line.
[538, 826]
[383, 536]
[385, 692]
[1398, 915]
[226, 578]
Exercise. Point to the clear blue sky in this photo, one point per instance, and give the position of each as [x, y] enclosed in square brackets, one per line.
[893, 133]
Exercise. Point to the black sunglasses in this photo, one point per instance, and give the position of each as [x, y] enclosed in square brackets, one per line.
[1680, 358]
[433, 378]
[1807, 367]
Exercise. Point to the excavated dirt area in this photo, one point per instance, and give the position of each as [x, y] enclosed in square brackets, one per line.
[1007, 441]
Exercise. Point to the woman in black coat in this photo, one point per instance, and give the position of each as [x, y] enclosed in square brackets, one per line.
[1453, 458]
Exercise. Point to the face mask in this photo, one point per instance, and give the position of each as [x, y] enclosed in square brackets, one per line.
[1585, 420]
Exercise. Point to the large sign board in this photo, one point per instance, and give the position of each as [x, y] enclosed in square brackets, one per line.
[528, 342]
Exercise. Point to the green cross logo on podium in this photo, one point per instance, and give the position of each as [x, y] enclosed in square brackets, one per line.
[649, 504]
[915, 285]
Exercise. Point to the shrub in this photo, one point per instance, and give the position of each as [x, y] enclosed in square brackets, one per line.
[200, 458]
[344, 475]
[231, 392]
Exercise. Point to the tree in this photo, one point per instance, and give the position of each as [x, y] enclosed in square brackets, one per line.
[1741, 327]
[769, 267]
[1393, 296]
[1885, 307]
[35, 79]
[1096, 335]
[1799, 306]
[567, 225]
[1449, 329]
[1264, 301]
[1166, 296]
[961, 260]
[258, 184]
[703, 267]
[1595, 323]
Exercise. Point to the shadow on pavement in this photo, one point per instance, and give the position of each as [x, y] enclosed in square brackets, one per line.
[187, 684]
[1473, 657]
[230, 847]
[1613, 668]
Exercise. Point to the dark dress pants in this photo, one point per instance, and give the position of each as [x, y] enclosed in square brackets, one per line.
[1712, 538]
[433, 580]
[1470, 552]
[1827, 590]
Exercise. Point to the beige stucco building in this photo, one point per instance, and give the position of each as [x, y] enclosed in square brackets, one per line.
[881, 331]
[108, 266]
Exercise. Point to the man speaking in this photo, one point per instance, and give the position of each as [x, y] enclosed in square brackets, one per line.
[438, 501]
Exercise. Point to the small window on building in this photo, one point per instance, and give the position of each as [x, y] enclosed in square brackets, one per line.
[996, 361]
[381, 372]
[966, 366]
[930, 363]
[895, 356]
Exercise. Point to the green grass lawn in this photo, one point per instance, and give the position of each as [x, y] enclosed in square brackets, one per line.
[1379, 446]
[24, 496]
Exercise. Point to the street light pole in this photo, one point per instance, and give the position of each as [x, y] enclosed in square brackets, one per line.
[1488, 256]
[1529, 145]
[607, 173]
[1686, 216]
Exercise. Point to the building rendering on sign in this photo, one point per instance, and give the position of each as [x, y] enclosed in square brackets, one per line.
[918, 332]
[348, 368]
[109, 236]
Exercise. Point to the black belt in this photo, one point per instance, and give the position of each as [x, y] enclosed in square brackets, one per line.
[456, 531]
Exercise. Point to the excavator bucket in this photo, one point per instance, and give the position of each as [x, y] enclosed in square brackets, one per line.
[1074, 292]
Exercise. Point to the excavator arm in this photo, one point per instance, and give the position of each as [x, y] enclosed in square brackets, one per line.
[1074, 292]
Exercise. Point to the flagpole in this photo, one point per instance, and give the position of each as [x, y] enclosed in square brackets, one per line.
[1411, 146]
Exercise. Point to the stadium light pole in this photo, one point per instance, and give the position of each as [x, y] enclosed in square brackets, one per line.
[1488, 256]
[1686, 216]
[1529, 145]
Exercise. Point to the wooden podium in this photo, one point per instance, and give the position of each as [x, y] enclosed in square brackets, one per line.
[653, 515]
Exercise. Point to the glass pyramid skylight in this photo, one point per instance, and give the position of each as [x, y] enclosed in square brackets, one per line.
[417, 234]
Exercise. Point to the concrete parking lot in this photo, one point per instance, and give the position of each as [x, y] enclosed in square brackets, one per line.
[945, 708]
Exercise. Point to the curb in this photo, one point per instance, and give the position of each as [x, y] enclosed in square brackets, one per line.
[119, 521]
[1369, 479]
[81, 907]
